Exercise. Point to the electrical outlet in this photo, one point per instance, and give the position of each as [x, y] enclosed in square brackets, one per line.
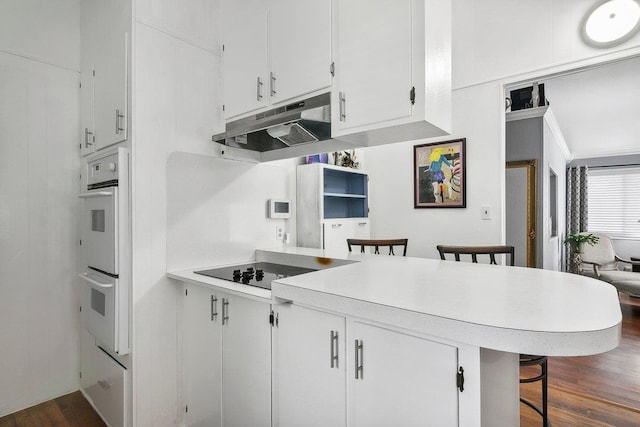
[279, 232]
[485, 212]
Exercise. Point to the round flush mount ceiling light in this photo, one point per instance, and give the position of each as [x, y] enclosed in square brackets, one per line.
[611, 22]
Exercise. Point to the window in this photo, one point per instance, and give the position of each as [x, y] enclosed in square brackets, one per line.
[614, 201]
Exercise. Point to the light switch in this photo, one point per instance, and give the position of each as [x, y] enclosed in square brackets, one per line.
[485, 212]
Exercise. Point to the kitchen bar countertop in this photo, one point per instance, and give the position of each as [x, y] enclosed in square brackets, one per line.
[511, 309]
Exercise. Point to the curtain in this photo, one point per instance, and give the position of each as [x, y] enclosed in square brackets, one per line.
[577, 209]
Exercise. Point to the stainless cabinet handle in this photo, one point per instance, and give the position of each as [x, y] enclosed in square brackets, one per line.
[273, 84]
[359, 359]
[334, 349]
[343, 106]
[362, 223]
[86, 138]
[259, 89]
[118, 117]
[336, 225]
[214, 308]
[225, 311]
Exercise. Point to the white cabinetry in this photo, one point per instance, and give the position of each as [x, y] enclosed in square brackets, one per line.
[274, 51]
[393, 70]
[309, 368]
[373, 61]
[103, 381]
[105, 29]
[202, 357]
[323, 360]
[226, 359]
[415, 376]
[246, 362]
[332, 205]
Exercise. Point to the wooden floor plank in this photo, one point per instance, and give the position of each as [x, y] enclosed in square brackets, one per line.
[8, 421]
[50, 415]
[71, 410]
[28, 417]
[593, 391]
[78, 412]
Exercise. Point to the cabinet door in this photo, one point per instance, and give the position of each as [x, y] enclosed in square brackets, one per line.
[104, 381]
[202, 357]
[244, 28]
[246, 362]
[110, 58]
[309, 368]
[373, 61]
[87, 123]
[336, 233]
[300, 47]
[413, 376]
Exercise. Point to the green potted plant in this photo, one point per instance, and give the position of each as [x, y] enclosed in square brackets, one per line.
[576, 241]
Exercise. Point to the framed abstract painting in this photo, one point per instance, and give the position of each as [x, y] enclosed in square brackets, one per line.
[439, 174]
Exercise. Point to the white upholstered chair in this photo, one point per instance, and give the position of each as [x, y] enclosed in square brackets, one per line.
[600, 261]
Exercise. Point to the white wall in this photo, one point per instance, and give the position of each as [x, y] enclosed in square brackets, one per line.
[43, 30]
[39, 182]
[217, 209]
[391, 182]
[189, 209]
[498, 39]
[495, 43]
[554, 157]
[174, 106]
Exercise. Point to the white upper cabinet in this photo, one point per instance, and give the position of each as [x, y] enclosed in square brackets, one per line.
[300, 48]
[274, 51]
[87, 120]
[393, 70]
[373, 60]
[244, 29]
[105, 28]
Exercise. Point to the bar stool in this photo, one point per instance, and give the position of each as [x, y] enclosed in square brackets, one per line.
[377, 243]
[530, 360]
[525, 359]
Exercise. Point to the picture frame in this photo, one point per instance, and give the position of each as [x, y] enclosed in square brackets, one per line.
[439, 172]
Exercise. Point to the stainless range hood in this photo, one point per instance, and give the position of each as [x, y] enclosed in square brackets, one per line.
[302, 122]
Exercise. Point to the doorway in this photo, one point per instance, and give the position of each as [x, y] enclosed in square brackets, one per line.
[521, 194]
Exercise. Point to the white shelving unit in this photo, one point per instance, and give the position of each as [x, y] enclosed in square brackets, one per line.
[332, 206]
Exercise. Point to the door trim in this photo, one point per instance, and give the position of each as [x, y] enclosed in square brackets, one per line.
[532, 196]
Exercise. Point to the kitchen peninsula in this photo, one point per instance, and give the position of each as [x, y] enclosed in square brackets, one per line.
[382, 340]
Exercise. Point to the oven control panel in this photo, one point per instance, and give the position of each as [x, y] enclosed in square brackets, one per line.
[106, 167]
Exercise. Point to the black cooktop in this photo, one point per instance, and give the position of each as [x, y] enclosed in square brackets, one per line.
[259, 274]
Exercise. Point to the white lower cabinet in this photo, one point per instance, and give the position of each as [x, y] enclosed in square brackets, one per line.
[336, 232]
[392, 378]
[246, 363]
[309, 368]
[202, 358]
[401, 379]
[226, 359]
[104, 382]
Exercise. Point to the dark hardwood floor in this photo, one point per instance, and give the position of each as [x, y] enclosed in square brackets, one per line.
[71, 410]
[594, 391]
[588, 391]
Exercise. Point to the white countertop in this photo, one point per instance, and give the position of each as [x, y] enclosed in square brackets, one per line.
[513, 309]
[520, 310]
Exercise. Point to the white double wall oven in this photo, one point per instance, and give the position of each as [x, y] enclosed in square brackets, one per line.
[105, 249]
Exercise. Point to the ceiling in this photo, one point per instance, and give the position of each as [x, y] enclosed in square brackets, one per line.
[598, 110]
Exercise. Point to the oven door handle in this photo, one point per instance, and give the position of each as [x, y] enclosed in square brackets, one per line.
[93, 282]
[95, 194]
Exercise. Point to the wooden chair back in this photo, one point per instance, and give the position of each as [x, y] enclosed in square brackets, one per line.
[363, 243]
[474, 251]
